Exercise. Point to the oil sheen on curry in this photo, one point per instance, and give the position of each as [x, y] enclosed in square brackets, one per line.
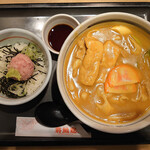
[107, 72]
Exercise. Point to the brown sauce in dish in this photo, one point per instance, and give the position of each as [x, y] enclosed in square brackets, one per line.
[107, 72]
[57, 35]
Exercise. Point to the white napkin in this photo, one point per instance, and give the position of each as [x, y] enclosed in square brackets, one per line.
[28, 126]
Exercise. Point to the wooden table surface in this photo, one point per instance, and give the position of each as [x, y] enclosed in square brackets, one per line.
[97, 147]
[65, 1]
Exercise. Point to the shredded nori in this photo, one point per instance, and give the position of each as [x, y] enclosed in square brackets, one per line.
[7, 50]
[42, 72]
[5, 83]
[32, 77]
[38, 64]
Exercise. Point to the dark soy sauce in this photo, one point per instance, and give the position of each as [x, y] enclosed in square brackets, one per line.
[57, 35]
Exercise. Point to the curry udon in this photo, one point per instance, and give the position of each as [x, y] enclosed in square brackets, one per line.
[107, 72]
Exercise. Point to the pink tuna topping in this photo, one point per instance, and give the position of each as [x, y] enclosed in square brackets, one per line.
[23, 64]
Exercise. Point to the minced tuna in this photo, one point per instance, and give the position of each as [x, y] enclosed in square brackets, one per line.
[23, 64]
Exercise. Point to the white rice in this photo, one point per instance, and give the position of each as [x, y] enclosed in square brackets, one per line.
[38, 76]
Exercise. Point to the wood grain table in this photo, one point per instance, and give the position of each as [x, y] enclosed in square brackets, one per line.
[97, 147]
[65, 1]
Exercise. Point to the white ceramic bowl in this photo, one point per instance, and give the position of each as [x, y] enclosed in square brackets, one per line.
[124, 128]
[56, 20]
[10, 35]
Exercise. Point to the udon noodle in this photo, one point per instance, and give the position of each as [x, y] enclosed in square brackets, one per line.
[107, 72]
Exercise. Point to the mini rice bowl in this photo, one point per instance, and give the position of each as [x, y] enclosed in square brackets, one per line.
[14, 36]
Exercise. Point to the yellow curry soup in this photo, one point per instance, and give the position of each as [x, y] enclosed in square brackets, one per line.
[107, 72]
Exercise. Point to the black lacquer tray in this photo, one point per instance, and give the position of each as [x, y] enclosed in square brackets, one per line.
[32, 17]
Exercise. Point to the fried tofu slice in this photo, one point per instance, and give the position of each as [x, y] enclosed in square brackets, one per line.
[111, 53]
[89, 69]
[81, 50]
